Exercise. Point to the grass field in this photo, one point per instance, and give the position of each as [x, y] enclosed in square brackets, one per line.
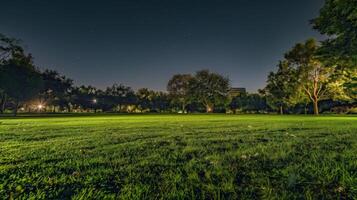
[179, 157]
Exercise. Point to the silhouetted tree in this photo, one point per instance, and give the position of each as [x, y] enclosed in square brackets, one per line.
[160, 102]
[120, 95]
[85, 97]
[144, 98]
[19, 79]
[249, 103]
[57, 89]
[209, 88]
[179, 89]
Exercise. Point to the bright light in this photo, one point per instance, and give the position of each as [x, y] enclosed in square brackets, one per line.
[40, 106]
[94, 100]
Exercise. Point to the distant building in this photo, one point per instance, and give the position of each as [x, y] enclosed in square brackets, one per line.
[233, 92]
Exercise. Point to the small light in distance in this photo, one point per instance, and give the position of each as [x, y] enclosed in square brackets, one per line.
[40, 106]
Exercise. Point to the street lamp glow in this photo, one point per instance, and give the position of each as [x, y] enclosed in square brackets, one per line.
[94, 100]
[40, 106]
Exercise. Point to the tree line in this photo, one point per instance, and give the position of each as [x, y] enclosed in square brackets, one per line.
[312, 77]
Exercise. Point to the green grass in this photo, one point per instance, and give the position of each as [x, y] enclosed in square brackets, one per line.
[179, 157]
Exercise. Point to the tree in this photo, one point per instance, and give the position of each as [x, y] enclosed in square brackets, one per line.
[9, 47]
[179, 89]
[120, 95]
[144, 96]
[313, 77]
[86, 97]
[281, 86]
[337, 20]
[57, 89]
[20, 80]
[249, 102]
[209, 89]
[158, 101]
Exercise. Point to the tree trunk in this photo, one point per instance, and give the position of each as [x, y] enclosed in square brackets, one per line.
[119, 106]
[209, 109]
[316, 107]
[183, 108]
[3, 103]
[281, 110]
[16, 107]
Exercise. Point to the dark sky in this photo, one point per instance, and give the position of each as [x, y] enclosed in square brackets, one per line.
[143, 43]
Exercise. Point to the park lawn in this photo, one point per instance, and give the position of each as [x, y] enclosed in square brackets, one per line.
[179, 157]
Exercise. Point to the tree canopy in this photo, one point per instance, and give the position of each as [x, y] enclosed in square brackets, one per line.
[338, 20]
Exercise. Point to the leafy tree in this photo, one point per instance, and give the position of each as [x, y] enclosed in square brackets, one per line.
[313, 77]
[249, 103]
[20, 80]
[120, 95]
[351, 84]
[179, 89]
[144, 96]
[160, 102]
[281, 86]
[209, 89]
[337, 20]
[9, 47]
[86, 97]
[57, 89]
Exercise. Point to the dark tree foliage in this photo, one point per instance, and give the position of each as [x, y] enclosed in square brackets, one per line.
[57, 89]
[144, 96]
[179, 90]
[338, 20]
[209, 89]
[20, 80]
[160, 102]
[85, 97]
[9, 48]
[249, 103]
[120, 96]
[205, 91]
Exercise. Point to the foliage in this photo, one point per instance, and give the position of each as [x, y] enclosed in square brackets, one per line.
[338, 20]
[9, 47]
[312, 76]
[179, 89]
[209, 89]
[281, 86]
[57, 89]
[249, 103]
[120, 96]
[20, 80]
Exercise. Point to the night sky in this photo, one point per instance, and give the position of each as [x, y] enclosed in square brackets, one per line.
[143, 43]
